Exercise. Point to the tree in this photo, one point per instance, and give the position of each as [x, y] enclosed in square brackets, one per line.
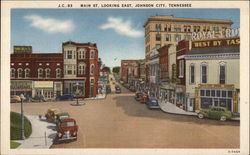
[116, 69]
[107, 69]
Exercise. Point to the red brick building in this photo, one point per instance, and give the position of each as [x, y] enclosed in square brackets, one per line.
[163, 63]
[74, 71]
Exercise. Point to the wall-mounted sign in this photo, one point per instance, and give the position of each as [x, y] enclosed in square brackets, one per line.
[216, 43]
[20, 85]
[22, 49]
[225, 33]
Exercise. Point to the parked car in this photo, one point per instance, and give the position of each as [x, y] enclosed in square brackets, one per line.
[15, 98]
[152, 103]
[67, 129]
[66, 97]
[38, 99]
[144, 98]
[108, 90]
[220, 113]
[51, 114]
[132, 88]
[138, 96]
[118, 90]
[61, 116]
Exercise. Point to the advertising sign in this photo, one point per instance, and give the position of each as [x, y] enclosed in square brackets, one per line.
[22, 49]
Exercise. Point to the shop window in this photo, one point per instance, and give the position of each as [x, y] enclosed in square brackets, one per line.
[158, 37]
[27, 73]
[222, 75]
[203, 73]
[40, 73]
[19, 73]
[47, 73]
[213, 93]
[92, 54]
[168, 37]
[229, 93]
[202, 92]
[58, 73]
[192, 74]
[207, 92]
[224, 93]
[217, 93]
[12, 72]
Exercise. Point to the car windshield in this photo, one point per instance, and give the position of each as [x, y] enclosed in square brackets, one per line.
[154, 101]
[63, 117]
[67, 124]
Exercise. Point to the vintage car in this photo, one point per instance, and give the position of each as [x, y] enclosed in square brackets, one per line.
[66, 97]
[15, 98]
[220, 113]
[51, 114]
[67, 129]
[144, 98]
[138, 96]
[152, 104]
[118, 90]
[61, 116]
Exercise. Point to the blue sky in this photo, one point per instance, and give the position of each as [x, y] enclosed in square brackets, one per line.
[117, 32]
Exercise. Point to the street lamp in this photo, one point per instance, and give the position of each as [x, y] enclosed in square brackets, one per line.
[77, 93]
[22, 117]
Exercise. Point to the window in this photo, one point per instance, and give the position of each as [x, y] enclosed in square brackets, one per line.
[92, 69]
[47, 73]
[40, 73]
[158, 37]
[82, 69]
[177, 37]
[12, 73]
[187, 37]
[19, 73]
[82, 54]
[92, 54]
[204, 73]
[177, 28]
[206, 28]
[27, 73]
[197, 28]
[187, 28]
[222, 75]
[168, 37]
[69, 69]
[69, 55]
[192, 80]
[181, 68]
[58, 73]
[216, 29]
[157, 46]
[158, 27]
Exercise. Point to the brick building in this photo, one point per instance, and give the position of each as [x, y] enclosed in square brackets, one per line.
[74, 71]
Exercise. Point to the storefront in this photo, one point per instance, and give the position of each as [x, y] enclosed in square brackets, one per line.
[43, 89]
[75, 87]
[208, 95]
[18, 87]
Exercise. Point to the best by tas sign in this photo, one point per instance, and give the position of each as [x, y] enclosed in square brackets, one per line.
[225, 33]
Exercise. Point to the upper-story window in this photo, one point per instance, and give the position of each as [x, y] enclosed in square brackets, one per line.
[216, 29]
[187, 37]
[168, 37]
[58, 73]
[158, 37]
[197, 28]
[19, 73]
[92, 54]
[27, 73]
[69, 54]
[177, 37]
[157, 46]
[92, 69]
[187, 28]
[206, 28]
[47, 73]
[158, 27]
[12, 73]
[167, 28]
[222, 76]
[177, 28]
[82, 69]
[181, 68]
[40, 72]
[204, 73]
[192, 74]
[82, 54]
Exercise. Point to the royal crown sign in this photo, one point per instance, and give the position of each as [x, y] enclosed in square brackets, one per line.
[22, 49]
[216, 43]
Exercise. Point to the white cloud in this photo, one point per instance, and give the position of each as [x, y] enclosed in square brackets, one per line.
[50, 25]
[122, 27]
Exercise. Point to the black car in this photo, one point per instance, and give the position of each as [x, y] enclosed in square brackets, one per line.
[138, 96]
[118, 90]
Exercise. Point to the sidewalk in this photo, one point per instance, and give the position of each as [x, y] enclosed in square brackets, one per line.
[171, 108]
[37, 138]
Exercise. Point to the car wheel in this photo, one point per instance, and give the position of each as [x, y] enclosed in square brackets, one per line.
[223, 118]
[200, 115]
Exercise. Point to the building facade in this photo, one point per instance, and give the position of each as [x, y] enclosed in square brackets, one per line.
[154, 83]
[212, 74]
[164, 30]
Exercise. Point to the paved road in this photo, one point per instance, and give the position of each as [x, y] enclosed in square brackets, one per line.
[120, 122]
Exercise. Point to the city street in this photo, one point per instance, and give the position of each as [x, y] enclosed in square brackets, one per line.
[121, 122]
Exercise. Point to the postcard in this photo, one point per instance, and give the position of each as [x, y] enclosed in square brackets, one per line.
[124, 77]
